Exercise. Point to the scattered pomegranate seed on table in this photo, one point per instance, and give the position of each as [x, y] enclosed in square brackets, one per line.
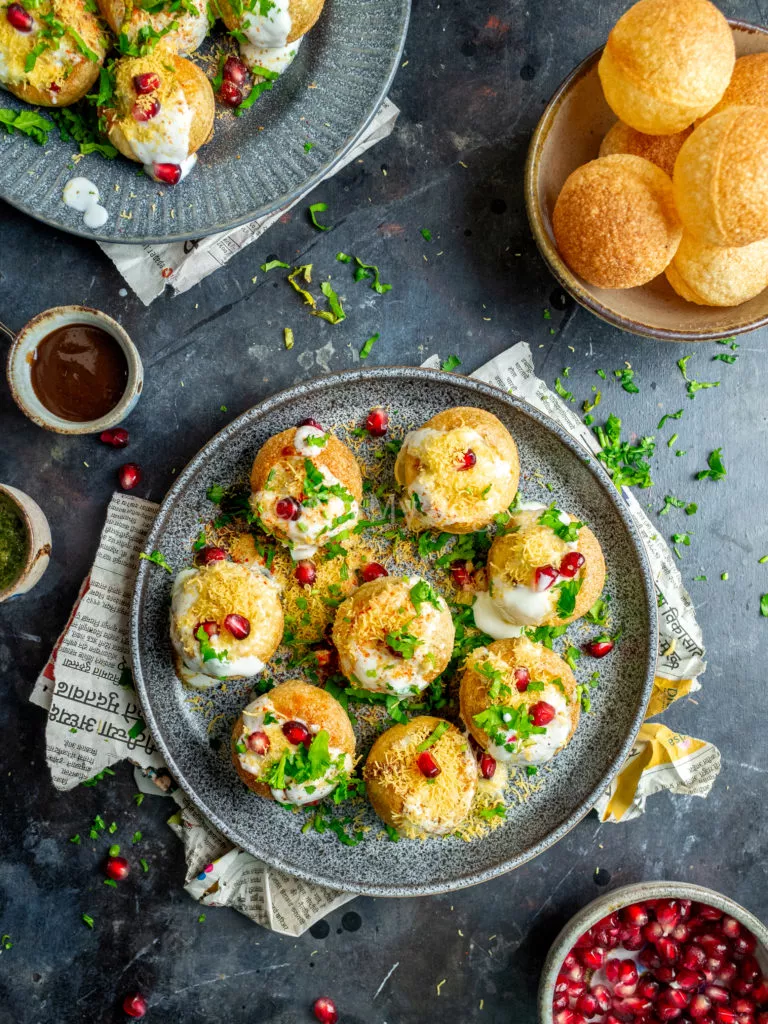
[135, 1005]
[692, 964]
[235, 70]
[117, 437]
[297, 733]
[288, 508]
[148, 82]
[117, 868]
[571, 564]
[208, 555]
[169, 174]
[325, 1010]
[599, 648]
[19, 18]
[487, 766]
[372, 571]
[237, 625]
[377, 423]
[545, 576]
[258, 742]
[230, 93]
[428, 766]
[129, 476]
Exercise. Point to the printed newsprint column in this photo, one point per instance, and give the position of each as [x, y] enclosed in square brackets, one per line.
[149, 268]
[94, 718]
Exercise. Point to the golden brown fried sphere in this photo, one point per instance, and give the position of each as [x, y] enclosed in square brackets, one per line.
[403, 796]
[666, 63]
[714, 275]
[303, 14]
[748, 86]
[721, 178]
[661, 150]
[615, 221]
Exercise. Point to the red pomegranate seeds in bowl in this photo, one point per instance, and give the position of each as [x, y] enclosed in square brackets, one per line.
[655, 952]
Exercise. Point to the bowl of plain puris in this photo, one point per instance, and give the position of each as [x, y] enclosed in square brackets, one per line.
[647, 176]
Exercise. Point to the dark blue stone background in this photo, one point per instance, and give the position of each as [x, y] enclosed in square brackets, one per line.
[475, 80]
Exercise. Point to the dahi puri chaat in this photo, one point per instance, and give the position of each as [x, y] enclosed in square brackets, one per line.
[545, 569]
[394, 635]
[294, 744]
[307, 488]
[421, 777]
[519, 701]
[182, 24]
[226, 621]
[269, 31]
[458, 471]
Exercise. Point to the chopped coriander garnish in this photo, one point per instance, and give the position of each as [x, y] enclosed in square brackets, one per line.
[403, 642]
[365, 351]
[672, 440]
[288, 337]
[335, 314]
[422, 593]
[138, 799]
[28, 122]
[566, 601]
[701, 578]
[682, 538]
[450, 364]
[671, 502]
[88, 920]
[601, 373]
[114, 850]
[136, 837]
[144, 865]
[393, 834]
[308, 146]
[215, 493]
[426, 234]
[369, 272]
[589, 406]
[626, 463]
[433, 737]
[560, 388]
[566, 531]
[158, 559]
[692, 386]
[110, 882]
[626, 378]
[201, 918]
[531, 769]
[725, 358]
[764, 605]
[314, 209]
[723, 576]
[273, 265]
[716, 469]
[763, 560]
[669, 416]
[75, 839]
[207, 649]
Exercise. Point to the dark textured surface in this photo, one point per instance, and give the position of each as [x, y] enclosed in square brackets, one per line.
[602, 741]
[476, 80]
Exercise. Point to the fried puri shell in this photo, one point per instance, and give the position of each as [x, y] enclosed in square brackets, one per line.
[334, 456]
[304, 14]
[661, 150]
[714, 275]
[542, 663]
[748, 86]
[615, 221]
[299, 700]
[666, 63]
[721, 178]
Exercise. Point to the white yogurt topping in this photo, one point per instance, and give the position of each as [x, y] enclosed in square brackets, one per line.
[538, 749]
[488, 619]
[522, 605]
[185, 165]
[275, 58]
[270, 29]
[302, 438]
[164, 139]
[82, 195]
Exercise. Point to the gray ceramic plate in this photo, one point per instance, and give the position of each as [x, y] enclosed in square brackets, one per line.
[578, 776]
[349, 59]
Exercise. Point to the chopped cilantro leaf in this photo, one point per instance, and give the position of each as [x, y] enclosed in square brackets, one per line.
[692, 386]
[560, 388]
[433, 737]
[314, 209]
[158, 559]
[422, 593]
[365, 351]
[450, 364]
[566, 531]
[566, 600]
[716, 469]
[764, 605]
[426, 234]
[669, 416]
[626, 378]
[28, 122]
[273, 264]
[626, 463]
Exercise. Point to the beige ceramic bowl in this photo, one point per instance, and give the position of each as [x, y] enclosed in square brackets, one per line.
[569, 134]
[38, 542]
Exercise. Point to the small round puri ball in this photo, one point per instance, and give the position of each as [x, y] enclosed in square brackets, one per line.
[615, 221]
[661, 150]
[666, 63]
[715, 275]
[748, 86]
[721, 178]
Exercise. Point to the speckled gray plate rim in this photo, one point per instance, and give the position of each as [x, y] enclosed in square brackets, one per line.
[349, 58]
[579, 774]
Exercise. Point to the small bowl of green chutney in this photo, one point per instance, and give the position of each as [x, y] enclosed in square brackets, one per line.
[25, 542]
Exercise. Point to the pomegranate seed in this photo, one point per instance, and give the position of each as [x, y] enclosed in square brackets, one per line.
[377, 423]
[599, 648]
[129, 476]
[468, 460]
[487, 766]
[169, 174]
[428, 766]
[288, 508]
[587, 1004]
[235, 71]
[210, 627]
[709, 913]
[611, 923]
[760, 993]
[230, 94]
[745, 943]
[741, 987]
[567, 1017]
[18, 18]
[677, 997]
[148, 82]
[117, 437]
[632, 1005]
[750, 969]
[308, 422]
[325, 1010]
[571, 564]
[684, 906]
[688, 979]
[699, 1006]
[743, 1006]
[575, 990]
[570, 961]
[606, 937]
[237, 625]
[666, 1012]
[612, 968]
[461, 575]
[725, 1016]
[649, 958]
[762, 1018]
[117, 868]
[542, 713]
[522, 678]
[713, 945]
[694, 956]
[627, 973]
[545, 577]
[602, 997]
[668, 950]
[681, 932]
[258, 742]
[635, 914]
[731, 927]
[585, 940]
[561, 984]
[632, 938]
[668, 915]
[665, 973]
[208, 555]
[135, 1005]
[717, 994]
[559, 1003]
[306, 573]
[145, 111]
[726, 974]
[296, 733]
[593, 957]
[653, 931]
[372, 571]
[648, 988]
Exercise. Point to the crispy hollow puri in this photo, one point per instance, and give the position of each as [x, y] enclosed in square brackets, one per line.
[721, 178]
[666, 62]
[334, 456]
[493, 432]
[542, 663]
[714, 275]
[197, 92]
[304, 14]
[748, 86]
[296, 699]
[661, 150]
[615, 221]
[191, 29]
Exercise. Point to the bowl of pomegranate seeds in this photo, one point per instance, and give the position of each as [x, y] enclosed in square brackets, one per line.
[654, 952]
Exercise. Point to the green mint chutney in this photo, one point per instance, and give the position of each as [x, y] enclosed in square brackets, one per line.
[14, 542]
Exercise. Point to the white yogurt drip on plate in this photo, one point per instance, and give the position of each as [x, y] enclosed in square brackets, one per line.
[82, 195]
[271, 29]
[185, 165]
[274, 58]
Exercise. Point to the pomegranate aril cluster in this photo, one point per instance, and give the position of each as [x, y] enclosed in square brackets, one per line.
[662, 960]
